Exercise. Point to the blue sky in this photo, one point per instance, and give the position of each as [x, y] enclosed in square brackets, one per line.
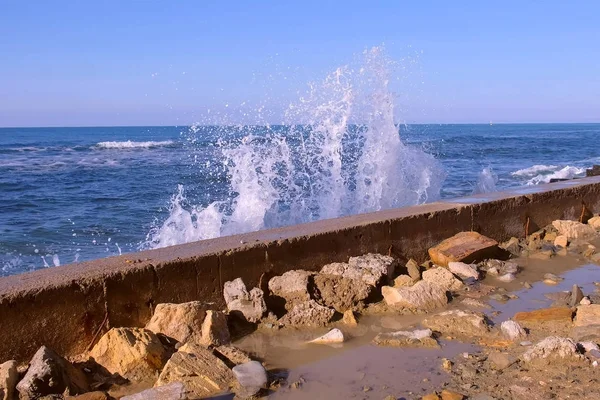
[84, 63]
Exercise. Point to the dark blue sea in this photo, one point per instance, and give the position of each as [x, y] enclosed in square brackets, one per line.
[74, 194]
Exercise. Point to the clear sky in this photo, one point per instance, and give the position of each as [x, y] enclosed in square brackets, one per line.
[89, 63]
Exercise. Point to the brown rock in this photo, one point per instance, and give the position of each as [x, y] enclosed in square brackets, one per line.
[458, 322]
[182, 322]
[467, 247]
[450, 395]
[231, 355]
[200, 371]
[309, 313]
[134, 353]
[214, 329]
[422, 296]
[587, 315]
[431, 396]
[573, 229]
[9, 376]
[416, 338]
[594, 222]
[292, 286]
[442, 277]
[403, 281]
[49, 374]
[554, 314]
[413, 270]
[561, 241]
[90, 396]
[250, 306]
[349, 318]
[341, 293]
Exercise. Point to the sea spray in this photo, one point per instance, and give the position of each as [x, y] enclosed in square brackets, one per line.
[339, 153]
[486, 182]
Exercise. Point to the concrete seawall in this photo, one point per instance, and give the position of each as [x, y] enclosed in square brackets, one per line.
[65, 307]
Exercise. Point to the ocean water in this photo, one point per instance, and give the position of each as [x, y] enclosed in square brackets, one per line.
[73, 194]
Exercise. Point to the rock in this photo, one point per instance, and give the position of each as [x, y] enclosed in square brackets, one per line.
[372, 269]
[561, 241]
[512, 246]
[331, 337]
[458, 322]
[422, 296]
[507, 278]
[586, 333]
[463, 270]
[512, 330]
[431, 396]
[552, 277]
[552, 347]
[134, 353]
[349, 318]
[500, 360]
[251, 377]
[589, 346]
[442, 277]
[293, 286]
[576, 296]
[447, 364]
[466, 247]
[9, 377]
[90, 396]
[231, 355]
[173, 391]
[341, 293]
[585, 301]
[413, 270]
[500, 297]
[527, 285]
[199, 370]
[474, 303]
[594, 222]
[450, 395]
[251, 305]
[554, 314]
[214, 329]
[587, 315]
[403, 281]
[416, 338]
[49, 374]
[573, 229]
[181, 322]
[309, 313]
[550, 237]
[542, 254]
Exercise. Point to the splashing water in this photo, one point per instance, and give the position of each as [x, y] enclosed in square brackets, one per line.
[487, 181]
[345, 157]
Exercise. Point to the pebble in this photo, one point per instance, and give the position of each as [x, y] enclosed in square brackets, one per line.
[446, 364]
[526, 343]
[500, 297]
[527, 285]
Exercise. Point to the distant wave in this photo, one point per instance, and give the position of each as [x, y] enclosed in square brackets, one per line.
[133, 145]
[567, 172]
[536, 169]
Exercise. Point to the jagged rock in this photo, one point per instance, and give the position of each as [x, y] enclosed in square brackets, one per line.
[586, 333]
[293, 286]
[341, 293]
[544, 315]
[251, 305]
[458, 322]
[467, 247]
[589, 346]
[9, 377]
[416, 338]
[561, 241]
[201, 372]
[251, 377]
[331, 337]
[349, 318]
[463, 270]
[413, 270]
[172, 391]
[576, 296]
[214, 329]
[594, 222]
[512, 246]
[134, 353]
[422, 296]
[372, 269]
[498, 267]
[500, 360]
[587, 315]
[552, 347]
[512, 330]
[49, 374]
[573, 229]
[309, 313]
[442, 277]
[181, 322]
[231, 355]
[403, 281]
[585, 301]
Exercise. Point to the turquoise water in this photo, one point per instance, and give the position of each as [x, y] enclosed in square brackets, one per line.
[74, 194]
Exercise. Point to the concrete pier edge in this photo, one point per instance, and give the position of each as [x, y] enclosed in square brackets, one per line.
[67, 307]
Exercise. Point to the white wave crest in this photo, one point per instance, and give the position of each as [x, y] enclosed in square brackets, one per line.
[536, 169]
[567, 172]
[133, 145]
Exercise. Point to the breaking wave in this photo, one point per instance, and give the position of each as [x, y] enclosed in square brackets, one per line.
[133, 145]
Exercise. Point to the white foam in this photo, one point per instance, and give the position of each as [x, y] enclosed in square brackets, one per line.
[486, 182]
[567, 172]
[133, 145]
[536, 169]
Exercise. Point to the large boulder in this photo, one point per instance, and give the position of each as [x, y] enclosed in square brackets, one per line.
[423, 296]
[172, 391]
[573, 229]
[309, 313]
[341, 293]
[292, 286]
[553, 348]
[545, 315]
[214, 329]
[250, 305]
[373, 269]
[416, 338]
[9, 377]
[442, 277]
[467, 247]
[134, 353]
[458, 322]
[49, 374]
[200, 371]
[594, 222]
[182, 322]
[587, 315]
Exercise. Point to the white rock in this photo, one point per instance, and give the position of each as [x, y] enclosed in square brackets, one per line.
[507, 278]
[251, 376]
[573, 229]
[552, 346]
[370, 268]
[513, 330]
[172, 391]
[423, 296]
[585, 301]
[442, 277]
[594, 222]
[250, 304]
[463, 270]
[561, 241]
[333, 336]
[589, 346]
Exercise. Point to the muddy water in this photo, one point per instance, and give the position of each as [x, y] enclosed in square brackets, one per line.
[360, 370]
